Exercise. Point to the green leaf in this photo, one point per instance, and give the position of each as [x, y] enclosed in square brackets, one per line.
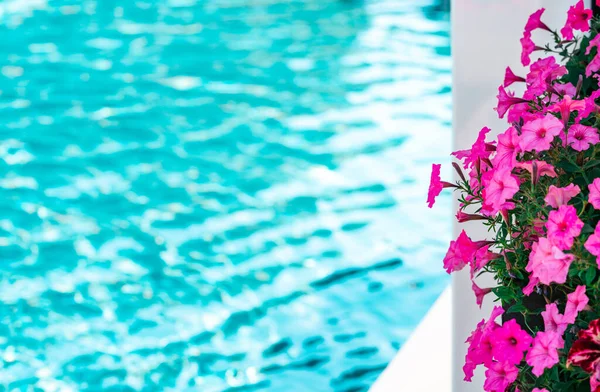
[590, 275]
[517, 308]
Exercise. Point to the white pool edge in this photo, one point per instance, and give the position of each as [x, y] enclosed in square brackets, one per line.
[424, 363]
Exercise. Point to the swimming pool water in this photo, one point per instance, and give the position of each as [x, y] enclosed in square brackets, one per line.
[217, 195]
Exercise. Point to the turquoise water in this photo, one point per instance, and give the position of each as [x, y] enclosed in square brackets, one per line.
[202, 195]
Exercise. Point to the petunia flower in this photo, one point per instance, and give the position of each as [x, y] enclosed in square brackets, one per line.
[537, 169]
[554, 321]
[528, 47]
[578, 18]
[499, 376]
[542, 74]
[593, 244]
[585, 352]
[533, 282]
[510, 77]
[548, 263]
[538, 134]
[462, 252]
[563, 226]
[509, 342]
[507, 148]
[479, 350]
[480, 293]
[566, 106]
[581, 136]
[499, 190]
[535, 22]
[557, 197]
[435, 185]
[479, 150]
[505, 101]
[576, 302]
[543, 353]
[594, 196]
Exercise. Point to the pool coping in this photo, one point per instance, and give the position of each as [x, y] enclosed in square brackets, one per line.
[428, 348]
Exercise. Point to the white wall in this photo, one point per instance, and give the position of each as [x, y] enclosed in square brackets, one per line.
[485, 39]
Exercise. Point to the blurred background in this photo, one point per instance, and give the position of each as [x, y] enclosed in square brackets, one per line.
[218, 195]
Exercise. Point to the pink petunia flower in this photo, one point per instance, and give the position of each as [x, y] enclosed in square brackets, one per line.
[580, 137]
[590, 106]
[462, 252]
[528, 47]
[479, 150]
[553, 320]
[533, 282]
[435, 184]
[505, 101]
[540, 390]
[509, 342]
[499, 190]
[479, 351]
[563, 226]
[548, 263]
[593, 244]
[557, 197]
[539, 168]
[535, 22]
[538, 134]
[507, 148]
[594, 197]
[541, 76]
[543, 353]
[521, 112]
[499, 376]
[578, 18]
[480, 293]
[510, 77]
[576, 302]
[566, 106]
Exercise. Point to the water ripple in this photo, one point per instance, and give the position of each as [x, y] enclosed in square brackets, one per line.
[217, 195]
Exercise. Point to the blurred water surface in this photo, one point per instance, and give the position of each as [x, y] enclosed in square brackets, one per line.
[202, 195]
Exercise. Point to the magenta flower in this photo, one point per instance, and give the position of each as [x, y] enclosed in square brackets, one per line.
[510, 77]
[585, 352]
[435, 185]
[578, 18]
[548, 263]
[507, 148]
[594, 197]
[540, 390]
[533, 282]
[566, 106]
[538, 134]
[501, 187]
[499, 377]
[528, 47]
[557, 197]
[553, 320]
[480, 293]
[542, 168]
[505, 101]
[535, 22]
[479, 351]
[543, 353]
[509, 342]
[590, 106]
[580, 137]
[539, 79]
[479, 150]
[594, 65]
[593, 244]
[462, 252]
[563, 226]
[576, 302]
